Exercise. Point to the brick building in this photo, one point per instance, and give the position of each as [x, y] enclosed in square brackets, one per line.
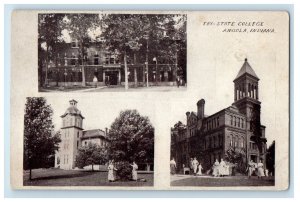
[235, 127]
[65, 67]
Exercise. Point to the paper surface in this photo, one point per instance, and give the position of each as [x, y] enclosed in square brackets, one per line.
[217, 44]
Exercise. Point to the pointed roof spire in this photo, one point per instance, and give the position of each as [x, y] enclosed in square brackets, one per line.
[246, 68]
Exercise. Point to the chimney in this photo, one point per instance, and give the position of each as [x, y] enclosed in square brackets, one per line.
[187, 115]
[200, 108]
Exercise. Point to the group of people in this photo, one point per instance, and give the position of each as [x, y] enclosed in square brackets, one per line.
[112, 168]
[195, 166]
[257, 168]
[220, 169]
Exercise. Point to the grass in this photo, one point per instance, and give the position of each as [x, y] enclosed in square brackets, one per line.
[225, 181]
[58, 177]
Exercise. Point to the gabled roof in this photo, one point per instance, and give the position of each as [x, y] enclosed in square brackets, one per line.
[94, 133]
[246, 69]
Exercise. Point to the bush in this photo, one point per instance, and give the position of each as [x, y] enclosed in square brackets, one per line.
[124, 170]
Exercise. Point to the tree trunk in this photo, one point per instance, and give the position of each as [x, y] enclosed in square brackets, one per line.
[135, 71]
[47, 62]
[126, 74]
[30, 174]
[82, 63]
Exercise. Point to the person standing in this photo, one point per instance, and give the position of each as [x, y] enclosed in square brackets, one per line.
[134, 171]
[195, 164]
[216, 168]
[199, 169]
[191, 165]
[111, 169]
[222, 167]
[260, 169]
[173, 166]
[95, 81]
[251, 168]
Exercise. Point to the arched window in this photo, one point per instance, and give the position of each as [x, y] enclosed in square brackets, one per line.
[231, 120]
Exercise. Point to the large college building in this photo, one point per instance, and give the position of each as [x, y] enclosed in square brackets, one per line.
[236, 127]
[66, 68]
[74, 136]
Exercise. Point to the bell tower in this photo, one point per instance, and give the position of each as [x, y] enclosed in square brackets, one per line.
[71, 132]
[246, 99]
[246, 93]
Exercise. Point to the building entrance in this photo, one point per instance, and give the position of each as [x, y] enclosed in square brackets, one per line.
[111, 77]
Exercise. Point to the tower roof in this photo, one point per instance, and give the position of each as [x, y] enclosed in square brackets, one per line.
[72, 109]
[246, 69]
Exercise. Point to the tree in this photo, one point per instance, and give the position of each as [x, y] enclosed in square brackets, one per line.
[49, 33]
[270, 158]
[237, 156]
[79, 27]
[255, 128]
[40, 141]
[120, 31]
[91, 154]
[131, 138]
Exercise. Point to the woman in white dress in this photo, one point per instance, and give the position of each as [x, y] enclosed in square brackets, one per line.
[216, 168]
[134, 171]
[199, 169]
[95, 81]
[222, 168]
[111, 169]
[260, 169]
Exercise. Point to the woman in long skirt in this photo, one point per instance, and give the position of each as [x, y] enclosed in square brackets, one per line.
[260, 169]
[134, 171]
[173, 166]
[199, 169]
[216, 168]
[111, 169]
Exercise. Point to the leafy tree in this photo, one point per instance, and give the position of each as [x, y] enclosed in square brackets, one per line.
[79, 26]
[120, 31]
[91, 154]
[131, 138]
[49, 35]
[255, 128]
[237, 156]
[40, 141]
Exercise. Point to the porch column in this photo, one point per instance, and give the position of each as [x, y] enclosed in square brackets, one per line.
[103, 76]
[119, 77]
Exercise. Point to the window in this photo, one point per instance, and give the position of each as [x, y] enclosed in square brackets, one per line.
[234, 121]
[238, 122]
[231, 143]
[231, 120]
[242, 123]
[218, 121]
[73, 60]
[74, 44]
[214, 142]
[77, 143]
[77, 134]
[96, 59]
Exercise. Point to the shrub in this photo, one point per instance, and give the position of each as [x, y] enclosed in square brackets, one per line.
[124, 170]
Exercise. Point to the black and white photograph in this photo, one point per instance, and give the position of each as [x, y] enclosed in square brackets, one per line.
[227, 148]
[77, 147]
[96, 52]
[228, 132]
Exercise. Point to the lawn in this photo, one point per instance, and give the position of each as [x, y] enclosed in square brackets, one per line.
[58, 177]
[224, 181]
